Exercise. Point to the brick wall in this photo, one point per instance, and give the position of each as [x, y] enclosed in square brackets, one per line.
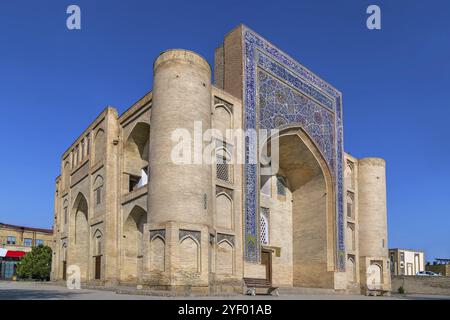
[422, 284]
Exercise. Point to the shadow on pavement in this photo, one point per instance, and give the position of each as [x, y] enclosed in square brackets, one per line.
[14, 294]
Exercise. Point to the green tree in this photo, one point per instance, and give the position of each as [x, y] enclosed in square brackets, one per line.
[36, 264]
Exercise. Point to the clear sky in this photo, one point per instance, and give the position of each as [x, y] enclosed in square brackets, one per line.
[395, 82]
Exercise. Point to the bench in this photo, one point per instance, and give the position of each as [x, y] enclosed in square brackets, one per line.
[377, 292]
[252, 284]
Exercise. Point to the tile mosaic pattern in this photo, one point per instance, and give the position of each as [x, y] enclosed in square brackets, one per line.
[279, 105]
[279, 91]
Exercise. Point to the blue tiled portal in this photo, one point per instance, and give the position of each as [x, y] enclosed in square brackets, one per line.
[278, 91]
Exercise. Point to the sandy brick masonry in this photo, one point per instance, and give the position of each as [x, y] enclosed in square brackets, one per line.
[126, 214]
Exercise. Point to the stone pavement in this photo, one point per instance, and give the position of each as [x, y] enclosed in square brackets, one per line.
[10, 290]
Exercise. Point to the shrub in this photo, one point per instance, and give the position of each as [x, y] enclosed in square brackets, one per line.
[36, 264]
[401, 290]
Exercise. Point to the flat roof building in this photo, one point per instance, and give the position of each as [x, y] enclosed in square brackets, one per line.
[15, 242]
[406, 262]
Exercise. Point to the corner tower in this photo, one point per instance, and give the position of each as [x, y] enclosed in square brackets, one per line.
[373, 248]
[179, 192]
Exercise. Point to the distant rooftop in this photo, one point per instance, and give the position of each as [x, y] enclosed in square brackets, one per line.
[22, 228]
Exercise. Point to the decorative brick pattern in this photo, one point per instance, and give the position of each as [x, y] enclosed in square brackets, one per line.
[194, 234]
[223, 236]
[160, 232]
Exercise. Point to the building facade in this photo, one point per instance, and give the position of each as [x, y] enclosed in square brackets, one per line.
[406, 262]
[15, 242]
[137, 203]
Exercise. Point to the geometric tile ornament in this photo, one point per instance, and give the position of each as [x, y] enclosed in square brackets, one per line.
[279, 91]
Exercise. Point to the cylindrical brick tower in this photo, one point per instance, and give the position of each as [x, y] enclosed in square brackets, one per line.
[372, 220]
[179, 193]
[372, 207]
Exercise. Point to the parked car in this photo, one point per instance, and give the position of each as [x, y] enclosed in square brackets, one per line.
[427, 274]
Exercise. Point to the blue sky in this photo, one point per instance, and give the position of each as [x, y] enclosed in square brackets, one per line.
[395, 82]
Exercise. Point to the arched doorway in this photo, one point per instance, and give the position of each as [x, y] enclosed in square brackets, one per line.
[301, 210]
[81, 235]
[97, 254]
[374, 276]
[133, 244]
[64, 261]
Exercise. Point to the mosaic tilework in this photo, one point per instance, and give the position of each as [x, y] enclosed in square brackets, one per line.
[288, 93]
[279, 105]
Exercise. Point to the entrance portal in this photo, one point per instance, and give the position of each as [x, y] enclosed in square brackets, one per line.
[301, 214]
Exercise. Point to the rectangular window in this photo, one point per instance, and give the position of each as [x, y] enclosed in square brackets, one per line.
[27, 242]
[98, 195]
[11, 240]
[39, 242]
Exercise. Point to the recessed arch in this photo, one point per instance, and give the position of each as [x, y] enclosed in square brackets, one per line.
[349, 175]
[350, 236]
[133, 230]
[225, 257]
[374, 276]
[310, 184]
[66, 175]
[81, 238]
[136, 153]
[157, 253]
[189, 254]
[99, 145]
[223, 119]
[351, 269]
[224, 210]
[98, 182]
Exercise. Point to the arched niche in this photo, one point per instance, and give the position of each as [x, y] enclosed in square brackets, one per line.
[224, 211]
[136, 155]
[223, 119]
[189, 254]
[304, 173]
[225, 258]
[80, 227]
[133, 230]
[99, 145]
[157, 253]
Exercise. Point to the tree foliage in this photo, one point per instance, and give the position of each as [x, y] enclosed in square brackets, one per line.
[36, 264]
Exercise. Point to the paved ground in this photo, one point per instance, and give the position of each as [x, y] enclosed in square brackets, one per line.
[48, 291]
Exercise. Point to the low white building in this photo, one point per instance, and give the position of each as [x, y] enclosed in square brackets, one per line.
[406, 261]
